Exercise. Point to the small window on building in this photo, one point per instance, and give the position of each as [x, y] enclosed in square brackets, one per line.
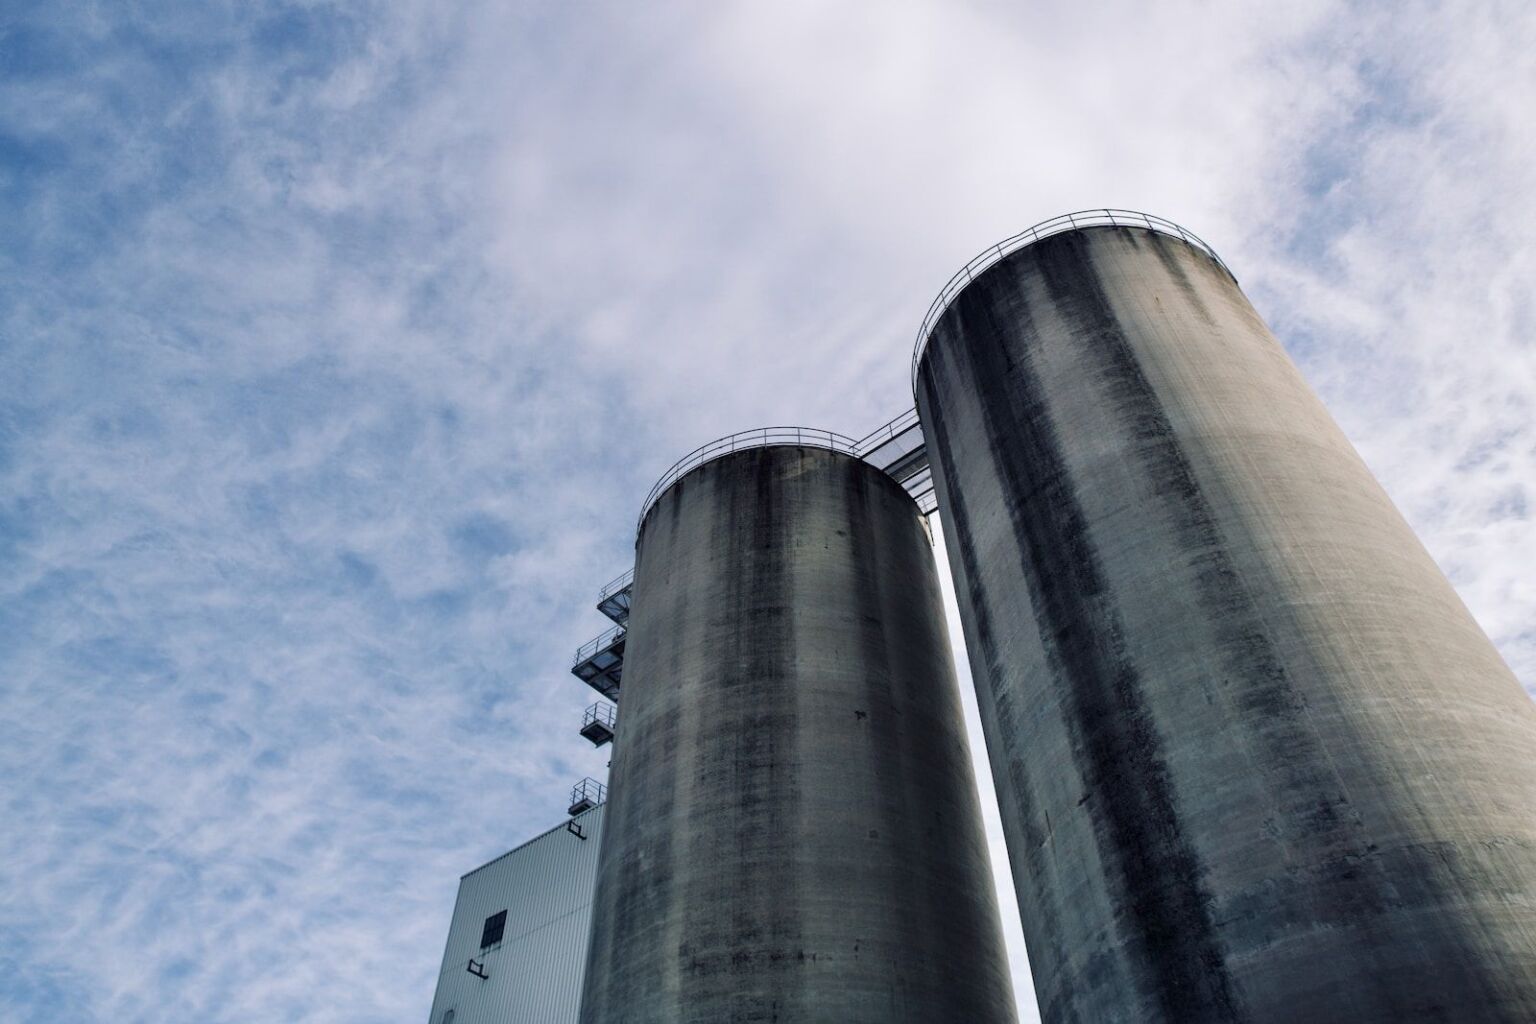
[448, 1017]
[494, 926]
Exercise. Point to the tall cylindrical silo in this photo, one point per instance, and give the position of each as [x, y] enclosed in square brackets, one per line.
[1256, 761]
[793, 831]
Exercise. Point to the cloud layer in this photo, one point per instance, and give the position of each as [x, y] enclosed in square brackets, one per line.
[340, 343]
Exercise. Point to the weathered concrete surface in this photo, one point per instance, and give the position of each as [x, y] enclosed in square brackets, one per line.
[793, 832]
[1255, 759]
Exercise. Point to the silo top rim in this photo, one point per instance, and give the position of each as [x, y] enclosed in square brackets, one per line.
[1055, 226]
[742, 440]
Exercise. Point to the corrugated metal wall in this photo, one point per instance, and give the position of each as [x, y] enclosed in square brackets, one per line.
[546, 887]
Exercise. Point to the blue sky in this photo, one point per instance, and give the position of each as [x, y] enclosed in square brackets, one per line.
[341, 341]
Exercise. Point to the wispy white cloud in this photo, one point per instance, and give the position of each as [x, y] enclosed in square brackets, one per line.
[341, 342]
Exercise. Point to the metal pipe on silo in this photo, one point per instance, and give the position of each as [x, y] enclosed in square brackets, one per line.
[793, 830]
[1255, 759]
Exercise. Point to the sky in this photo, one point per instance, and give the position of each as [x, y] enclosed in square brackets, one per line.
[339, 343]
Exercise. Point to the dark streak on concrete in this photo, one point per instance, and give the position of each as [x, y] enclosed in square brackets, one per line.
[1028, 837]
[1168, 253]
[1296, 767]
[1115, 736]
[743, 914]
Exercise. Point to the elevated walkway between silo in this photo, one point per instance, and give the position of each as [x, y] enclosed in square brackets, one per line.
[900, 449]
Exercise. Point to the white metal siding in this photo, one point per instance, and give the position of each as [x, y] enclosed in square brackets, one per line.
[536, 971]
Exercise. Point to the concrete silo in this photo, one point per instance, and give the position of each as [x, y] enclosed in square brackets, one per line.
[792, 830]
[1255, 759]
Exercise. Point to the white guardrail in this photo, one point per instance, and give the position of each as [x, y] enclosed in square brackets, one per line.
[765, 437]
[597, 643]
[762, 437]
[1045, 229]
[616, 585]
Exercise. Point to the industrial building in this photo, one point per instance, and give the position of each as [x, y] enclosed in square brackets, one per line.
[518, 941]
[1254, 758]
